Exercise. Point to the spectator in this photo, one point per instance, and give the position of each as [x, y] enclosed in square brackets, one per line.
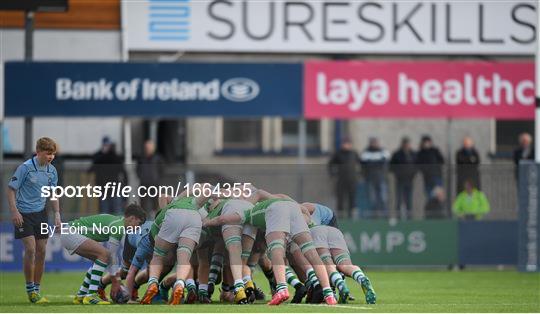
[525, 151]
[403, 165]
[471, 203]
[374, 160]
[344, 165]
[150, 171]
[430, 161]
[467, 160]
[107, 167]
[435, 206]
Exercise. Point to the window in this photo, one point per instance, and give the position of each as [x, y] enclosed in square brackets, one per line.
[507, 133]
[242, 134]
[290, 134]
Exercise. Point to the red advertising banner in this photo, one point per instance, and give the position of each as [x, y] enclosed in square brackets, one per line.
[444, 89]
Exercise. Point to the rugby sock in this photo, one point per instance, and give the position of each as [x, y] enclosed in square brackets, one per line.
[97, 271]
[190, 284]
[247, 278]
[281, 287]
[291, 277]
[238, 284]
[358, 275]
[327, 291]
[203, 287]
[30, 287]
[216, 265]
[225, 287]
[338, 281]
[152, 280]
[181, 283]
[312, 279]
[83, 290]
[269, 274]
[36, 287]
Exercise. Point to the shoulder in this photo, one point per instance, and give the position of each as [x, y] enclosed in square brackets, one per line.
[52, 169]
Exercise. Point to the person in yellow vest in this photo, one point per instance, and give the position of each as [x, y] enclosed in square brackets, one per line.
[471, 203]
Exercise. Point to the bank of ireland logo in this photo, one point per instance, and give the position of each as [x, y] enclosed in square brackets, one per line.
[240, 89]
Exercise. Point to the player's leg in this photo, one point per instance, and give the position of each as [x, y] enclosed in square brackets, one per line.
[302, 236]
[162, 248]
[101, 256]
[232, 236]
[190, 232]
[335, 277]
[216, 266]
[203, 273]
[276, 251]
[190, 281]
[248, 239]
[227, 294]
[344, 264]
[298, 259]
[29, 245]
[39, 262]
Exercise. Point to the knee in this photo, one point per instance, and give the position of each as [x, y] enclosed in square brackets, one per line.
[40, 252]
[30, 252]
[104, 256]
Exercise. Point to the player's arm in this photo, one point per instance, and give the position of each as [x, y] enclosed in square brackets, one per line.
[14, 184]
[230, 219]
[130, 278]
[16, 216]
[114, 269]
[56, 203]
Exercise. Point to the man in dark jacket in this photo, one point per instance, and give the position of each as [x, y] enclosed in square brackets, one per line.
[403, 165]
[430, 161]
[344, 165]
[468, 161]
[374, 161]
[107, 166]
[525, 151]
[150, 171]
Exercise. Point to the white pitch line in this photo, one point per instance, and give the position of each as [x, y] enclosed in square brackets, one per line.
[338, 306]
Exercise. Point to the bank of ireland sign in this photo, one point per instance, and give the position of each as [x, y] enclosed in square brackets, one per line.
[332, 26]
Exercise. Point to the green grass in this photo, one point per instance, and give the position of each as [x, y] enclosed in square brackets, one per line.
[398, 291]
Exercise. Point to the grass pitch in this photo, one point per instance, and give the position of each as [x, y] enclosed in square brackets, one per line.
[397, 291]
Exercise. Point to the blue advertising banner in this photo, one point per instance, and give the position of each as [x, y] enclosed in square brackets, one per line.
[488, 242]
[529, 217]
[153, 89]
[56, 259]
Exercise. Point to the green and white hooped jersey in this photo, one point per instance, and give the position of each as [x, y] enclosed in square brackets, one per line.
[256, 215]
[187, 203]
[99, 227]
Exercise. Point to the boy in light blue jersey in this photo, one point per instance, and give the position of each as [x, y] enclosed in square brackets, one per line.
[321, 215]
[27, 207]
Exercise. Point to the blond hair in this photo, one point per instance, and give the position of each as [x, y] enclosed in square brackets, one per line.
[46, 144]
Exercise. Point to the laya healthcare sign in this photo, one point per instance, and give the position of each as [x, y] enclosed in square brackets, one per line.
[419, 90]
[143, 89]
[332, 26]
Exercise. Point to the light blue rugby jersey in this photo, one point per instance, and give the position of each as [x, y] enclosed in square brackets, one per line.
[322, 215]
[135, 238]
[28, 180]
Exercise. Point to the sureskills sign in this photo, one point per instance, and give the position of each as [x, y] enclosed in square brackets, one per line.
[460, 27]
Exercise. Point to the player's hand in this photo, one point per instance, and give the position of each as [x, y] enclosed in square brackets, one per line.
[17, 219]
[115, 288]
[57, 220]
